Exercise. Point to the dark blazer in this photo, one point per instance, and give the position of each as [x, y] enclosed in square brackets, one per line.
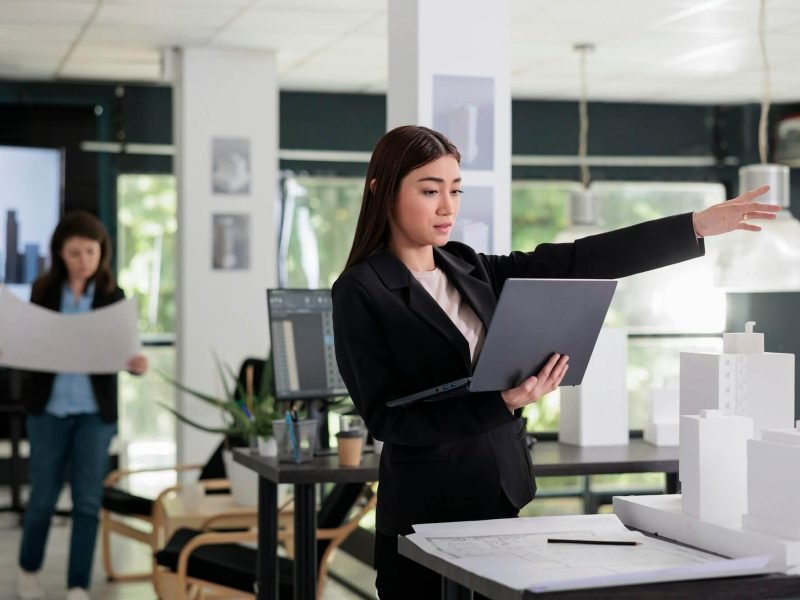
[452, 460]
[40, 383]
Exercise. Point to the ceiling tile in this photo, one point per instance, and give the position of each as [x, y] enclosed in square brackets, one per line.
[31, 13]
[162, 14]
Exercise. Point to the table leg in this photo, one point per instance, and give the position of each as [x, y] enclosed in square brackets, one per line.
[453, 591]
[305, 542]
[267, 575]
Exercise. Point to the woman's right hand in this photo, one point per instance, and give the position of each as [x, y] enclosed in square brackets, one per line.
[536, 386]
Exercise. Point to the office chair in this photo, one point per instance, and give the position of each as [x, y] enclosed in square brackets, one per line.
[222, 562]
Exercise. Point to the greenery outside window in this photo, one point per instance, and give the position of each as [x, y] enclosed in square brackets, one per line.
[146, 227]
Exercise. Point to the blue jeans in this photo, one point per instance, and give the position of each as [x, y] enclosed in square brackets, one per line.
[80, 442]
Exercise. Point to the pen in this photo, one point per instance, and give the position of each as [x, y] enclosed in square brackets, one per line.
[293, 436]
[593, 542]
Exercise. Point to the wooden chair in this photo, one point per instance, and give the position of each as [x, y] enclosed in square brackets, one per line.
[219, 561]
[138, 518]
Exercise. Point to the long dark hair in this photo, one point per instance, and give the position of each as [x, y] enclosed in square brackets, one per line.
[397, 152]
[77, 223]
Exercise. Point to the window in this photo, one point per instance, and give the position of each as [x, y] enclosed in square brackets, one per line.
[319, 219]
[661, 308]
[146, 226]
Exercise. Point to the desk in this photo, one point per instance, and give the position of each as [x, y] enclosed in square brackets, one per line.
[549, 458]
[323, 469]
[555, 458]
[458, 584]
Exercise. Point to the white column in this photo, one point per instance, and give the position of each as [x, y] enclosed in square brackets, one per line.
[226, 133]
[449, 69]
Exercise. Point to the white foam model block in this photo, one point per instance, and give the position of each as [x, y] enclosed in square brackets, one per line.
[595, 413]
[662, 515]
[742, 343]
[713, 465]
[664, 406]
[662, 434]
[760, 386]
[773, 492]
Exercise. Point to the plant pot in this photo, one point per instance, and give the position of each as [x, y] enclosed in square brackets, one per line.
[244, 482]
[267, 446]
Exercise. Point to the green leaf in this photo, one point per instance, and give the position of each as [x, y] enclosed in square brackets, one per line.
[196, 393]
[229, 393]
[222, 430]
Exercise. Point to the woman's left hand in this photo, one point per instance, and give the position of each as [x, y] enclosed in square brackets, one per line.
[138, 364]
[734, 214]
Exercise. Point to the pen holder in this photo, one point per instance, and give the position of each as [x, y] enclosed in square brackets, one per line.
[295, 445]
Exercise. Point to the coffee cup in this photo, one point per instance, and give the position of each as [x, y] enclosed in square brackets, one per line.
[351, 443]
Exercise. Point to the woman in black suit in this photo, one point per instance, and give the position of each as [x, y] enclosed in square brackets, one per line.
[410, 311]
[72, 417]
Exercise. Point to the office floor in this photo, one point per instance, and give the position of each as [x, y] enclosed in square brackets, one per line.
[130, 554]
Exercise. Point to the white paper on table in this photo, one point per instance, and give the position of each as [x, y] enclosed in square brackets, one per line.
[516, 554]
[39, 339]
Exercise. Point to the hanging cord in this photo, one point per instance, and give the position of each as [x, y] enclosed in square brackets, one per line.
[762, 122]
[583, 115]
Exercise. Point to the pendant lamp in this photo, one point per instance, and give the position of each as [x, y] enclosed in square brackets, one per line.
[584, 217]
[768, 261]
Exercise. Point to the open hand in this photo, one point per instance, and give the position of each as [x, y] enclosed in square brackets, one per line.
[536, 386]
[138, 364]
[734, 214]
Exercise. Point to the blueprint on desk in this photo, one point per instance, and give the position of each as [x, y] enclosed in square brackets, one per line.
[515, 553]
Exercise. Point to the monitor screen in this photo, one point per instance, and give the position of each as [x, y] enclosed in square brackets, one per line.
[31, 185]
[301, 329]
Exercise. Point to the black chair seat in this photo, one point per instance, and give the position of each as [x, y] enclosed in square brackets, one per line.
[231, 565]
[124, 503]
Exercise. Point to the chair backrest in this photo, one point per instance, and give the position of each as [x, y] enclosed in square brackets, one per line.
[257, 365]
[334, 510]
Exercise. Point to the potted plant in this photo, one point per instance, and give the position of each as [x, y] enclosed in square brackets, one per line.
[248, 408]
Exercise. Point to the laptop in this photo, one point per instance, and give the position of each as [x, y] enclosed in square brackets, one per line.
[534, 318]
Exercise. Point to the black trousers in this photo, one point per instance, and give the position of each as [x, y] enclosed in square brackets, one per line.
[400, 578]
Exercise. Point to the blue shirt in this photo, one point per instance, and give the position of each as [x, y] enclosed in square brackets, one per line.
[72, 392]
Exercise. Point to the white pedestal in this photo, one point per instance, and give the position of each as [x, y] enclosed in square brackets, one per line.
[773, 491]
[662, 515]
[713, 465]
[595, 413]
[760, 386]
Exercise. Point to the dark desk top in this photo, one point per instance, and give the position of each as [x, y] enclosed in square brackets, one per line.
[323, 469]
[549, 458]
[555, 458]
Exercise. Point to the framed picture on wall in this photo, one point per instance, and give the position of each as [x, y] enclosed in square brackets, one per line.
[230, 165]
[475, 223]
[230, 248]
[463, 109]
[31, 201]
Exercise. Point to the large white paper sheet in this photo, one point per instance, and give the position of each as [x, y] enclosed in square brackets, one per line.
[516, 554]
[38, 339]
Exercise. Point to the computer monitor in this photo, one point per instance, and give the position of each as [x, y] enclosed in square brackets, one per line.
[301, 329]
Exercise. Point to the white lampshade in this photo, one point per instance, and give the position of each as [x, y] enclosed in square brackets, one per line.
[583, 208]
[767, 261]
[776, 176]
[584, 217]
